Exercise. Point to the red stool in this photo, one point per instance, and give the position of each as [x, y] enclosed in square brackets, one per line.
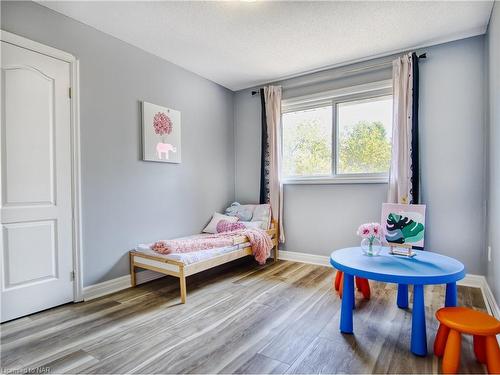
[484, 328]
[361, 284]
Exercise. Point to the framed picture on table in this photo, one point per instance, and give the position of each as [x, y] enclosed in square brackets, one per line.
[404, 226]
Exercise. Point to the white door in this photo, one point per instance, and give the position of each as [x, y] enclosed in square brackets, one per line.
[36, 191]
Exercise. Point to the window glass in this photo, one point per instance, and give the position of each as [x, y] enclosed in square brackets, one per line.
[364, 129]
[307, 142]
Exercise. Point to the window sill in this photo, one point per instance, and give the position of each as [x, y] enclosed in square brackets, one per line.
[336, 180]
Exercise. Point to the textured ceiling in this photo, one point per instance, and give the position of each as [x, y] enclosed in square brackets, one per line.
[245, 43]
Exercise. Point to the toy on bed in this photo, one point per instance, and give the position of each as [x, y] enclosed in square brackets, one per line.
[244, 230]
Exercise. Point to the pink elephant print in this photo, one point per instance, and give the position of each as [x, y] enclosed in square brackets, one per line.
[164, 148]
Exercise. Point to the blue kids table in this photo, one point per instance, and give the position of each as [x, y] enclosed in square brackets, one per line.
[425, 268]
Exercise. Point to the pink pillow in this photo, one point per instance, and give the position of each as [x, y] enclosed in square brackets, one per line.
[228, 226]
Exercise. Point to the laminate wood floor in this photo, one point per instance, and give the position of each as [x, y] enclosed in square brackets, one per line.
[278, 318]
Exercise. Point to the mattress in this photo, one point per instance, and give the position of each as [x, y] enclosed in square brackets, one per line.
[195, 256]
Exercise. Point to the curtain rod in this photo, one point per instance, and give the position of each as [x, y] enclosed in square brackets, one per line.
[421, 56]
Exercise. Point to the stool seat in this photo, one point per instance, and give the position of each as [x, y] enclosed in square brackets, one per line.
[455, 321]
[468, 321]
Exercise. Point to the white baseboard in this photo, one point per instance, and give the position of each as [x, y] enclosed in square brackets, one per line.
[320, 260]
[106, 287]
[120, 283]
[479, 281]
[492, 302]
[475, 281]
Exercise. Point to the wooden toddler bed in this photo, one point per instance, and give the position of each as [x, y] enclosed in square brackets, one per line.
[179, 269]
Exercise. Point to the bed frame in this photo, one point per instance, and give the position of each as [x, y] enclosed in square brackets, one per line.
[181, 270]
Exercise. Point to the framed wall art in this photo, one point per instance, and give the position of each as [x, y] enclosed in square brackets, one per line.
[161, 134]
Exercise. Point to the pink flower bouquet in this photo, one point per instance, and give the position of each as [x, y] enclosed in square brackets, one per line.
[369, 230]
[371, 234]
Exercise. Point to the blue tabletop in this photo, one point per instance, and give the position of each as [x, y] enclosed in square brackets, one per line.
[424, 268]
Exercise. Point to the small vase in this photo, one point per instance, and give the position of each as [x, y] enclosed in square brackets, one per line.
[371, 247]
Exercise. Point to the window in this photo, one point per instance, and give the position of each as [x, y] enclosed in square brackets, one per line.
[338, 138]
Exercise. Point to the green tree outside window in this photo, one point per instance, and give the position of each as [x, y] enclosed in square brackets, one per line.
[363, 148]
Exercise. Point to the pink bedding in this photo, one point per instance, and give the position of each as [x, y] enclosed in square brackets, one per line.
[260, 242]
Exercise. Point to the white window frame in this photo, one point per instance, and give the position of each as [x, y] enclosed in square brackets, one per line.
[334, 97]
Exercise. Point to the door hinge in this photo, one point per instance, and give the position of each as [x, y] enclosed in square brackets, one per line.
[72, 275]
[69, 92]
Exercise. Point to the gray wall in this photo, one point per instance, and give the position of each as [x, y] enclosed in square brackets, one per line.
[125, 200]
[452, 124]
[321, 218]
[493, 53]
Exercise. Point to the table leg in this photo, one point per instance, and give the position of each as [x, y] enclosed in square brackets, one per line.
[418, 331]
[347, 304]
[402, 296]
[451, 295]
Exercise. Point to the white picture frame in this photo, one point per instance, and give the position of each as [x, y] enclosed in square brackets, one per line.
[161, 134]
[403, 224]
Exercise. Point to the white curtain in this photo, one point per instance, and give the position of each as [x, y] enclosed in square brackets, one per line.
[272, 96]
[400, 177]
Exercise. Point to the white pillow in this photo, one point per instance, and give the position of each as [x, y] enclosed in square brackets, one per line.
[252, 224]
[262, 213]
[212, 226]
[259, 213]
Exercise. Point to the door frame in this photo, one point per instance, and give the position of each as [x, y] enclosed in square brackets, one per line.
[74, 93]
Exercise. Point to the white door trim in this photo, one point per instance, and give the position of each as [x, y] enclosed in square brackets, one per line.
[75, 146]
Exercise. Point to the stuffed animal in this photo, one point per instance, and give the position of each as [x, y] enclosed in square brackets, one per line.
[243, 212]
